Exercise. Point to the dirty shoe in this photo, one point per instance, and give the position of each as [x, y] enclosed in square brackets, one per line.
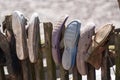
[94, 56]
[84, 43]
[18, 26]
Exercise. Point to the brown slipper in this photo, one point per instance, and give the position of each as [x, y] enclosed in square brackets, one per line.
[94, 55]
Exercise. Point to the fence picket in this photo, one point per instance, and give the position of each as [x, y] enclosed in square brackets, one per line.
[39, 70]
[2, 75]
[91, 73]
[105, 68]
[117, 50]
[76, 75]
[27, 70]
[51, 70]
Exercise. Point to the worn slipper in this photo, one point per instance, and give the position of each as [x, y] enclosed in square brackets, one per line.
[94, 56]
[33, 38]
[56, 34]
[84, 43]
[18, 26]
[71, 37]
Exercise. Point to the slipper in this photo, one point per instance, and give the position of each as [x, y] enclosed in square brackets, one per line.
[33, 38]
[18, 26]
[97, 60]
[94, 56]
[56, 34]
[84, 42]
[71, 37]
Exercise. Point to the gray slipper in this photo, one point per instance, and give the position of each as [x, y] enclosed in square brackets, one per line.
[18, 26]
[71, 37]
[33, 38]
[84, 42]
[56, 38]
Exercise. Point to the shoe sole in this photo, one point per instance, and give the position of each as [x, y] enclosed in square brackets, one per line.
[56, 34]
[33, 38]
[83, 45]
[68, 58]
[18, 27]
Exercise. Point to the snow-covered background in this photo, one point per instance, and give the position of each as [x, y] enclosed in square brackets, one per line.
[98, 11]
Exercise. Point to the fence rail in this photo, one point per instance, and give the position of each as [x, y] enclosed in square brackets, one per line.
[24, 70]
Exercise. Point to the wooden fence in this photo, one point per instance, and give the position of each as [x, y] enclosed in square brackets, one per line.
[24, 70]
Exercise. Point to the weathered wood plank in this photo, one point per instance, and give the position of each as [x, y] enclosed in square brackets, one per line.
[76, 75]
[118, 3]
[64, 74]
[105, 68]
[27, 70]
[51, 69]
[2, 75]
[91, 73]
[117, 50]
[39, 71]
